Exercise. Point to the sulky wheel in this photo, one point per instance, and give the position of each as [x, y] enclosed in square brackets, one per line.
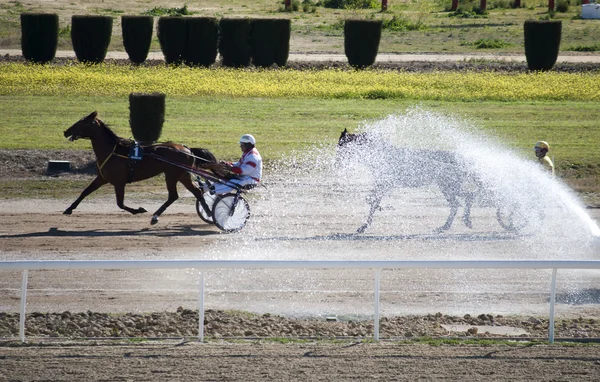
[210, 202]
[517, 218]
[230, 212]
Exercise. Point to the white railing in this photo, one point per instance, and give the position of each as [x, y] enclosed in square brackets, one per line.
[377, 266]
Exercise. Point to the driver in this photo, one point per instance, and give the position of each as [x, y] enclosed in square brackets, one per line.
[541, 151]
[248, 169]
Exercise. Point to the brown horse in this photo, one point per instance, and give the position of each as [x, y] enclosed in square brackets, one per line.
[116, 167]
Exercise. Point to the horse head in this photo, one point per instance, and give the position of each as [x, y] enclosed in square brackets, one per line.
[347, 138]
[82, 128]
[347, 145]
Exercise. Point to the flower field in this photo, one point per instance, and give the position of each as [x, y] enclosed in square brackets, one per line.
[118, 80]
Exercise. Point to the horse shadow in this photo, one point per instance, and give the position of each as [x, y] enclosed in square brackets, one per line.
[171, 231]
[475, 237]
[580, 297]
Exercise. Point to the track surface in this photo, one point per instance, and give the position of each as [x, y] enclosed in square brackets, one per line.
[98, 230]
[36, 229]
[326, 362]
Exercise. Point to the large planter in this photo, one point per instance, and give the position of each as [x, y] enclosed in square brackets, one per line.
[270, 42]
[202, 36]
[146, 116]
[171, 36]
[90, 36]
[137, 36]
[39, 36]
[361, 41]
[542, 43]
[234, 42]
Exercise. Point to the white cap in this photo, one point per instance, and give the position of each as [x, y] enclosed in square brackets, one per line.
[247, 138]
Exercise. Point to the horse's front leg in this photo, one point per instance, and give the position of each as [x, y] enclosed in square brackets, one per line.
[469, 199]
[454, 204]
[96, 183]
[120, 195]
[375, 200]
[173, 196]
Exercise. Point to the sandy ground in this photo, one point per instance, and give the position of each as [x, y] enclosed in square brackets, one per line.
[292, 222]
[309, 362]
[36, 229]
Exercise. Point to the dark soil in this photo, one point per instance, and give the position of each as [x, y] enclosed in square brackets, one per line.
[412, 66]
[16, 164]
[220, 324]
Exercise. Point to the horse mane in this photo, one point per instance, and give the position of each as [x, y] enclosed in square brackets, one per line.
[114, 137]
[386, 148]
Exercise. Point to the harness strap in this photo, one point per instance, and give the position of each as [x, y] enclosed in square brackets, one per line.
[106, 160]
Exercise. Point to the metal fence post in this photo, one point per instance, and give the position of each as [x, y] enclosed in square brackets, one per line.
[201, 309]
[23, 305]
[552, 302]
[376, 318]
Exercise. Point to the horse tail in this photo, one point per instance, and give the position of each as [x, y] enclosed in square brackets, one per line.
[203, 156]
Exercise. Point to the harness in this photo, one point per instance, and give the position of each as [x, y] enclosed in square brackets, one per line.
[101, 166]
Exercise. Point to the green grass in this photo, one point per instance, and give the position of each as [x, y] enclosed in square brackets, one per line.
[283, 125]
[416, 26]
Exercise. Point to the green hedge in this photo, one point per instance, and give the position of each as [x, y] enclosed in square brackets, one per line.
[542, 43]
[201, 43]
[90, 35]
[361, 41]
[137, 36]
[270, 41]
[39, 36]
[146, 116]
[234, 42]
[172, 37]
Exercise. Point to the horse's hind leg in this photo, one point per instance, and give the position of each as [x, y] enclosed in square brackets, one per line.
[450, 220]
[469, 198]
[173, 196]
[454, 204]
[120, 195]
[375, 200]
[96, 183]
[189, 185]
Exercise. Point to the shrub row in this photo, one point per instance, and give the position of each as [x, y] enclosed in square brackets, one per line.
[264, 42]
[194, 41]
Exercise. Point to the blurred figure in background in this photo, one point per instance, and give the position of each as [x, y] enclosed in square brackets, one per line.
[541, 152]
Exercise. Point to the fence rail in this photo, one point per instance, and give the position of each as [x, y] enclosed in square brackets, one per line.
[376, 266]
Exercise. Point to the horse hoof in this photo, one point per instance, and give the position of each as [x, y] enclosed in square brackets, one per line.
[154, 220]
[68, 212]
[141, 210]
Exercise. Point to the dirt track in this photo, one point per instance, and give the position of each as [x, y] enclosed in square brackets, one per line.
[36, 229]
[325, 362]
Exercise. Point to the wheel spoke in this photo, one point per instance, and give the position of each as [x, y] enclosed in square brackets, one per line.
[227, 218]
